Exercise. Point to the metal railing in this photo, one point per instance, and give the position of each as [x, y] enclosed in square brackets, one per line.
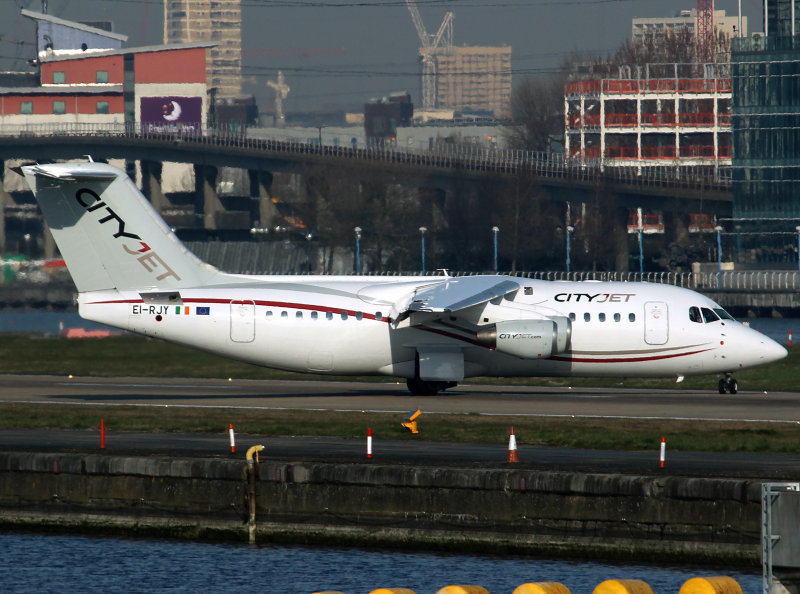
[462, 156]
[745, 281]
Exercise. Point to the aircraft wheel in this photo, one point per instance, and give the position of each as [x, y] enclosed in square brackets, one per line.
[419, 387]
[733, 385]
[723, 386]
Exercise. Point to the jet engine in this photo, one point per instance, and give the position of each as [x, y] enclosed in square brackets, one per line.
[528, 339]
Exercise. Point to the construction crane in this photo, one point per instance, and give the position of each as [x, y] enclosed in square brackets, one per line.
[432, 45]
[704, 31]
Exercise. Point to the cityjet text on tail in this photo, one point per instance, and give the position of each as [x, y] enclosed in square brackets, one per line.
[133, 273]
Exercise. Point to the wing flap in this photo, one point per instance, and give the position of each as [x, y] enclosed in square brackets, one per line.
[454, 294]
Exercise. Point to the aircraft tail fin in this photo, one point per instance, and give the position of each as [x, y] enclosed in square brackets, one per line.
[108, 233]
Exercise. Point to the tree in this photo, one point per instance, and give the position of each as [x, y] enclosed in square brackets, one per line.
[537, 108]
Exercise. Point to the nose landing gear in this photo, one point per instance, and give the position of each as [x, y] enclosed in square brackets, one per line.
[728, 384]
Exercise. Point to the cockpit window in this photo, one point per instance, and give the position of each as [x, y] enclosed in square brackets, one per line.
[723, 314]
[695, 315]
[709, 316]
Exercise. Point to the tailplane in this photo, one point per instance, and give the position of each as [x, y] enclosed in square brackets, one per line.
[108, 233]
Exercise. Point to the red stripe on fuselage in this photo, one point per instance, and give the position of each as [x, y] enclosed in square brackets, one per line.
[624, 359]
[286, 304]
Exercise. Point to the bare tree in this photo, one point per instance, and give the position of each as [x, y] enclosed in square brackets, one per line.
[537, 107]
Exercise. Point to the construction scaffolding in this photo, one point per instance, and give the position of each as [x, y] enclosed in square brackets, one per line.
[659, 115]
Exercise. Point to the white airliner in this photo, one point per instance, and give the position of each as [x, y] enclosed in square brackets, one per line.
[133, 273]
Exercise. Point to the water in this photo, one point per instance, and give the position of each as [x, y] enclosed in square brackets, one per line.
[47, 563]
[44, 322]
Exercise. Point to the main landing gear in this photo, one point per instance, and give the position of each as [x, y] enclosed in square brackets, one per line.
[419, 387]
[728, 384]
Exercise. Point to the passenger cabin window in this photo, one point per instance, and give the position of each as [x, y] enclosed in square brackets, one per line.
[572, 316]
[359, 315]
[299, 314]
[378, 316]
[587, 317]
[329, 315]
[528, 291]
[344, 315]
[617, 317]
[314, 315]
[601, 317]
[709, 316]
[284, 314]
[631, 317]
[695, 315]
[269, 313]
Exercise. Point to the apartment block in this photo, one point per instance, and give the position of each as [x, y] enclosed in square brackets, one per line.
[215, 21]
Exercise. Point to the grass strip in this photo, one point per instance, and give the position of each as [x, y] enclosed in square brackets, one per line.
[613, 434]
[136, 356]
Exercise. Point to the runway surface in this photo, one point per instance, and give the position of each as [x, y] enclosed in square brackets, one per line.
[777, 407]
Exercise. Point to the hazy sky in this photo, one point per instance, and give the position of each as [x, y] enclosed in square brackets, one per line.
[340, 53]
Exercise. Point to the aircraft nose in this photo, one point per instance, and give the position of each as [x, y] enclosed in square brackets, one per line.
[769, 350]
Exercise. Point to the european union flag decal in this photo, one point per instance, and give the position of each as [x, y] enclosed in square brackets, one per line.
[202, 311]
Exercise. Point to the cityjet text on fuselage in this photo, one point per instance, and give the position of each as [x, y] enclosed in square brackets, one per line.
[594, 297]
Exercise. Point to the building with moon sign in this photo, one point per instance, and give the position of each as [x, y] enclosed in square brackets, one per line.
[85, 77]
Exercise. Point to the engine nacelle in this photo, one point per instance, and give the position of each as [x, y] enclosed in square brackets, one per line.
[528, 339]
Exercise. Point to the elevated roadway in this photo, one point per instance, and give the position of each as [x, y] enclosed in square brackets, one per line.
[439, 170]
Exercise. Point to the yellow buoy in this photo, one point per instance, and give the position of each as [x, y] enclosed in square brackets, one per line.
[393, 591]
[717, 584]
[541, 588]
[463, 590]
[623, 587]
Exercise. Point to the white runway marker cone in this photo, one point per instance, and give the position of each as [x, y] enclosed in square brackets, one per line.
[663, 457]
[369, 442]
[233, 438]
[512, 447]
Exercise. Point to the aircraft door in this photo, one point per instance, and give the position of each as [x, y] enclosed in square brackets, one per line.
[243, 321]
[656, 322]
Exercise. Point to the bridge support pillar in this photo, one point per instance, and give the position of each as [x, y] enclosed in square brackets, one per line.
[151, 184]
[5, 198]
[676, 229]
[619, 236]
[207, 203]
[261, 190]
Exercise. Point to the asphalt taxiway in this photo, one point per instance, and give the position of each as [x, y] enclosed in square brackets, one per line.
[754, 406]
[619, 402]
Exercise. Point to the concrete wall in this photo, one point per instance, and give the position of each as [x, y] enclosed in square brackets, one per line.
[496, 509]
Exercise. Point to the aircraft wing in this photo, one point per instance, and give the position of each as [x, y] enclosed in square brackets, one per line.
[453, 294]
